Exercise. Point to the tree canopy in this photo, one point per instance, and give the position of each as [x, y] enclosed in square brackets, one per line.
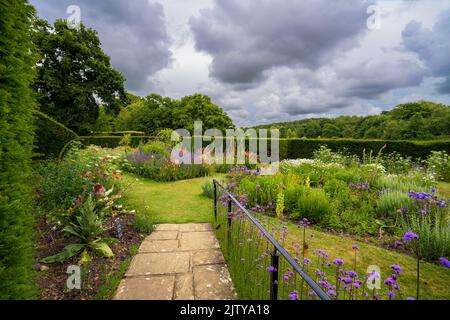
[74, 75]
[422, 120]
[154, 113]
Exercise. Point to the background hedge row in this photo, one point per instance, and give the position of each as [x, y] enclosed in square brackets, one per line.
[51, 136]
[304, 148]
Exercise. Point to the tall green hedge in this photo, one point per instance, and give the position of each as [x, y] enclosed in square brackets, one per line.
[16, 140]
[51, 136]
[304, 148]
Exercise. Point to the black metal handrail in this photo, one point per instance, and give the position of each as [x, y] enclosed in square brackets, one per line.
[278, 248]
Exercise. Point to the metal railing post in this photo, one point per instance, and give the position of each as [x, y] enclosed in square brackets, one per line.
[215, 200]
[274, 276]
[229, 220]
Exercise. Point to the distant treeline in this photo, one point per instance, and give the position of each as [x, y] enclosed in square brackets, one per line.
[422, 120]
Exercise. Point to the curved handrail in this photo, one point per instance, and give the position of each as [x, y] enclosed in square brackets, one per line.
[282, 251]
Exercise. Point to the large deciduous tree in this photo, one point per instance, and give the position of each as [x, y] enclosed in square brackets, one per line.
[16, 143]
[155, 113]
[74, 75]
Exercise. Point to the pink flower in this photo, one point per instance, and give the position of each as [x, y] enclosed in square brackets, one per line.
[99, 190]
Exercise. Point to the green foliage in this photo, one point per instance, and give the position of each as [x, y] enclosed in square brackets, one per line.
[314, 205]
[422, 120]
[51, 136]
[155, 113]
[155, 147]
[434, 235]
[16, 139]
[396, 163]
[60, 183]
[144, 223]
[439, 164]
[156, 166]
[208, 189]
[391, 202]
[87, 228]
[304, 148]
[74, 75]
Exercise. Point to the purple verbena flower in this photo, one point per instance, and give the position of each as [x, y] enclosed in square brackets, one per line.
[338, 262]
[293, 295]
[396, 268]
[444, 262]
[409, 236]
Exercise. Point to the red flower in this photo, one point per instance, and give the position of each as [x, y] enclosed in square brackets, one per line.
[99, 190]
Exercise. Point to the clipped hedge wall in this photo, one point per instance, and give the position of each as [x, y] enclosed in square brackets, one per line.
[51, 136]
[119, 133]
[17, 277]
[113, 141]
[304, 148]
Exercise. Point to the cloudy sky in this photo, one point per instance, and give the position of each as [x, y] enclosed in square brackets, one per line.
[276, 60]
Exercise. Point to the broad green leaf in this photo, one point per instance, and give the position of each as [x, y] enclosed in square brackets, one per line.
[102, 248]
[85, 257]
[71, 230]
[67, 253]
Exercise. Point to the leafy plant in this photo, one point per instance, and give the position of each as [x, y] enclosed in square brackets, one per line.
[87, 229]
[314, 205]
[391, 202]
[439, 164]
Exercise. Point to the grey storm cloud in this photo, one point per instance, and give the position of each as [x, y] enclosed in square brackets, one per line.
[371, 79]
[133, 33]
[432, 47]
[248, 38]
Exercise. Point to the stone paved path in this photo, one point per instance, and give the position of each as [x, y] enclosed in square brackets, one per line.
[178, 262]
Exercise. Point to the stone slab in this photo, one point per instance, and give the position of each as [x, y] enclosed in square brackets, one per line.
[184, 287]
[205, 257]
[195, 227]
[163, 235]
[146, 288]
[167, 227]
[213, 282]
[145, 264]
[152, 246]
[198, 241]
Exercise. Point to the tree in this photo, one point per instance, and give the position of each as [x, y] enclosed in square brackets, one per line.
[74, 76]
[155, 113]
[16, 143]
[199, 107]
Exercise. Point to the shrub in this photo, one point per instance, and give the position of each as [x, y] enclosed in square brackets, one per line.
[439, 164]
[390, 202]
[60, 183]
[396, 163]
[17, 67]
[304, 148]
[51, 136]
[155, 148]
[325, 155]
[314, 205]
[87, 228]
[434, 238]
[144, 223]
[208, 189]
[63, 183]
[264, 190]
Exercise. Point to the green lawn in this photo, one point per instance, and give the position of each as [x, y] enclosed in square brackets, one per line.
[183, 202]
[171, 202]
[444, 188]
[435, 280]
